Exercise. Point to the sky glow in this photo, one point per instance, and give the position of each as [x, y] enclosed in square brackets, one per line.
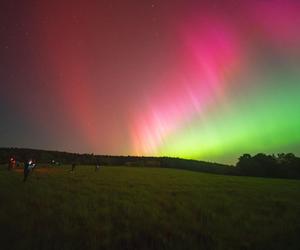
[206, 80]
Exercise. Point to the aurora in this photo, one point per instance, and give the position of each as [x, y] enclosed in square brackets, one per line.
[206, 80]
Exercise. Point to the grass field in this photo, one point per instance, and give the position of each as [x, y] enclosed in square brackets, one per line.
[146, 208]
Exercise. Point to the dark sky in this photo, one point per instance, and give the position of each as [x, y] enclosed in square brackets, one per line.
[197, 79]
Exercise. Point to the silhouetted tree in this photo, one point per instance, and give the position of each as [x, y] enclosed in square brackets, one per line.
[284, 165]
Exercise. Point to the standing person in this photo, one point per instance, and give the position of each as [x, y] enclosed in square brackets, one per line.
[97, 167]
[32, 165]
[11, 163]
[73, 167]
[26, 169]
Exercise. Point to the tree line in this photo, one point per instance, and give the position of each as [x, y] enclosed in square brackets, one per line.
[279, 166]
[63, 158]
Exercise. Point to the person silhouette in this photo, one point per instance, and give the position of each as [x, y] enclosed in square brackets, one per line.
[11, 163]
[27, 166]
[97, 167]
[73, 167]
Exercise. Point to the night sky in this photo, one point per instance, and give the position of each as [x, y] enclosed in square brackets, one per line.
[196, 79]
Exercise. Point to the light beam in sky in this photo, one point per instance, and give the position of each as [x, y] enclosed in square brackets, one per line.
[207, 80]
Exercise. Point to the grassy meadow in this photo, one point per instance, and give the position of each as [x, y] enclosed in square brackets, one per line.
[146, 208]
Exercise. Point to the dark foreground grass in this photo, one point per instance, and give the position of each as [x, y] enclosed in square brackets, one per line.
[146, 208]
